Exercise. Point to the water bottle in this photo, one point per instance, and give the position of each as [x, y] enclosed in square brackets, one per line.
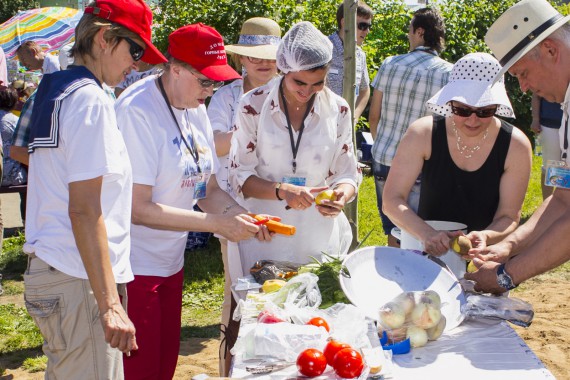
[537, 145]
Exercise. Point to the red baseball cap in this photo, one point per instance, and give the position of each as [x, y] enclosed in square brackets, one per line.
[202, 47]
[134, 15]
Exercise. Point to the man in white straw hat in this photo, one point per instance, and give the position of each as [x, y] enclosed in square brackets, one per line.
[335, 77]
[532, 41]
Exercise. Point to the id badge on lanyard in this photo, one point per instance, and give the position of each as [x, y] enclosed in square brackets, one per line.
[201, 180]
[557, 174]
[297, 181]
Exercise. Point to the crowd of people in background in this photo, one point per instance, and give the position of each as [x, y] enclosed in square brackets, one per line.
[120, 143]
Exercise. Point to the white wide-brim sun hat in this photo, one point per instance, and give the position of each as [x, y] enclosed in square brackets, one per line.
[471, 83]
[520, 28]
[259, 38]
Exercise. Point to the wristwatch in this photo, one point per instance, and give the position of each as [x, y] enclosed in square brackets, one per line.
[504, 279]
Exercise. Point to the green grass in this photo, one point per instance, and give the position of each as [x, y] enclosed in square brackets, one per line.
[20, 341]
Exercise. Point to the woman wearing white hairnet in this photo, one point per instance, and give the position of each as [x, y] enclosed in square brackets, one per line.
[294, 140]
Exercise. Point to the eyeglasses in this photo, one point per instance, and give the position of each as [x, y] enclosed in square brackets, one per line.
[207, 83]
[135, 49]
[364, 26]
[258, 60]
[466, 112]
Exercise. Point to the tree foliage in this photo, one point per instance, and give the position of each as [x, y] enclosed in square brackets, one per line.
[466, 22]
[9, 8]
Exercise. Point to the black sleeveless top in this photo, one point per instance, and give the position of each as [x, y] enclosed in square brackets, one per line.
[451, 194]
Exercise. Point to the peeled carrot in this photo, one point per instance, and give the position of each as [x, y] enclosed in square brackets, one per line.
[280, 228]
[275, 226]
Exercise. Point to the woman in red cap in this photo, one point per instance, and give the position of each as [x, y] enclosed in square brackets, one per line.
[171, 145]
[79, 198]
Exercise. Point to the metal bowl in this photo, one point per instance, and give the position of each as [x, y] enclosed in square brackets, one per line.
[378, 274]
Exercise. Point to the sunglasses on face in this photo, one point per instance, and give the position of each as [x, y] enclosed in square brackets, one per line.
[207, 83]
[364, 26]
[466, 112]
[135, 49]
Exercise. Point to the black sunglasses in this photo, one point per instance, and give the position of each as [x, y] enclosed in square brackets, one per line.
[466, 112]
[364, 26]
[207, 83]
[135, 49]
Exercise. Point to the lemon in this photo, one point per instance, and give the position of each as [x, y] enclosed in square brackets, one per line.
[327, 194]
[270, 286]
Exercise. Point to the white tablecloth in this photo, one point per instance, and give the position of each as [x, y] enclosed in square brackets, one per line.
[481, 350]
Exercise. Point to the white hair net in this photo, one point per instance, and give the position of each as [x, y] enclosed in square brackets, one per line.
[303, 47]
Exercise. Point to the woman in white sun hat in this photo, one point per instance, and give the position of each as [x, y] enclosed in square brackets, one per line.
[475, 167]
[254, 55]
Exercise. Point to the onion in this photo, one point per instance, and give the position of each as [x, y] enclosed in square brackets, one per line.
[418, 336]
[425, 315]
[406, 301]
[397, 335]
[392, 315]
[436, 331]
[432, 296]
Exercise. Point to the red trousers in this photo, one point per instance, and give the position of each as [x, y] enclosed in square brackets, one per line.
[155, 307]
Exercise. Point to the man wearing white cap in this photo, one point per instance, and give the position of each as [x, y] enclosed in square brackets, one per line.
[532, 41]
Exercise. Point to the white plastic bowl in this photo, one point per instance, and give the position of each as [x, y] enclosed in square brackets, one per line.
[378, 274]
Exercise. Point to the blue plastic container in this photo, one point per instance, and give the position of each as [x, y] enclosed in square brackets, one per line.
[398, 348]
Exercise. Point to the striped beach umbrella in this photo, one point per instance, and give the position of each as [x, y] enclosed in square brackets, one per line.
[50, 27]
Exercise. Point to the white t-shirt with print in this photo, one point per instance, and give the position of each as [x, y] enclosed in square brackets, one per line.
[89, 146]
[160, 159]
[221, 112]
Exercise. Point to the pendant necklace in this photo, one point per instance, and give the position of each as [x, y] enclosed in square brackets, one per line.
[288, 102]
[465, 150]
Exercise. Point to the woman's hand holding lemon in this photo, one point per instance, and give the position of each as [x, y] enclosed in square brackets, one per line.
[330, 202]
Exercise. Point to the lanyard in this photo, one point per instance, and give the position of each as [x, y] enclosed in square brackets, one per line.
[565, 151]
[190, 147]
[294, 146]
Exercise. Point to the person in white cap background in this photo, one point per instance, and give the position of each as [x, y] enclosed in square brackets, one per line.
[475, 167]
[254, 55]
[532, 41]
[293, 140]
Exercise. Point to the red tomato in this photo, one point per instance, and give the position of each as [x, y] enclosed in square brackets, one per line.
[332, 347]
[318, 321]
[311, 362]
[348, 363]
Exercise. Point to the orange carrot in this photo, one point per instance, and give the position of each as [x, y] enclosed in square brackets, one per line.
[275, 225]
[280, 228]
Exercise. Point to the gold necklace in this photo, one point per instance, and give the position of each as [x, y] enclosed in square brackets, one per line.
[465, 150]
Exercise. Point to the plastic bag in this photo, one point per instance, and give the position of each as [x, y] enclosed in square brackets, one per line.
[301, 291]
[264, 270]
[283, 341]
[414, 315]
[510, 309]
